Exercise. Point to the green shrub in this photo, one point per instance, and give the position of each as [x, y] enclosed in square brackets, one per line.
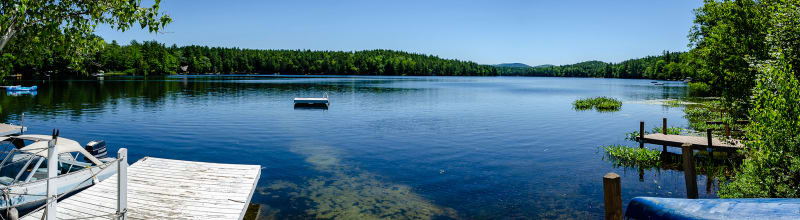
[771, 168]
[699, 89]
[601, 104]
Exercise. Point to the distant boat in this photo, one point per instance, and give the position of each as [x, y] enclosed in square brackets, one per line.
[658, 84]
[21, 88]
[654, 82]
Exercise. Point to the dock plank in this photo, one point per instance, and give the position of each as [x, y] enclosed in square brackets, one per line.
[696, 141]
[197, 190]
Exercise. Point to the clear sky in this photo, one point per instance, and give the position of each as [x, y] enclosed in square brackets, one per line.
[487, 32]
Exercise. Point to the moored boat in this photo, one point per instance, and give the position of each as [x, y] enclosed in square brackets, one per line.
[21, 88]
[23, 171]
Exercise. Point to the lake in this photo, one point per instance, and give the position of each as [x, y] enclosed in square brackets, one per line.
[388, 147]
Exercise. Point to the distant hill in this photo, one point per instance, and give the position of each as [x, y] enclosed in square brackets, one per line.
[544, 66]
[513, 65]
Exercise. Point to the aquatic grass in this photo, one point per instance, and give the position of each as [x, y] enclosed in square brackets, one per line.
[601, 104]
[670, 130]
[673, 103]
[342, 191]
[626, 156]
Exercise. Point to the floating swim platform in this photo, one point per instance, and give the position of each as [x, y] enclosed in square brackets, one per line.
[728, 209]
[324, 101]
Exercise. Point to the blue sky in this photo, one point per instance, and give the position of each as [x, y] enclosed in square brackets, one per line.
[487, 32]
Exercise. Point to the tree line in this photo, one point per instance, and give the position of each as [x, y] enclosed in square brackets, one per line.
[151, 58]
[668, 65]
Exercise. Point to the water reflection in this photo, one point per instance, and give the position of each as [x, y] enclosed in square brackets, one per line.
[342, 191]
[20, 93]
[713, 165]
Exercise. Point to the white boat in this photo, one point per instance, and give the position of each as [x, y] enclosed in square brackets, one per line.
[23, 171]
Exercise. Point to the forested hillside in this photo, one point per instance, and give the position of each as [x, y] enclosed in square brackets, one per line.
[153, 58]
[669, 65]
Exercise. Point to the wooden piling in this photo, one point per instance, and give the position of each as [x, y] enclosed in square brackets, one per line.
[727, 130]
[664, 131]
[612, 196]
[52, 164]
[710, 143]
[122, 184]
[689, 171]
[641, 134]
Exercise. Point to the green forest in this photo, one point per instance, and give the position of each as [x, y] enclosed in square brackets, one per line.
[150, 58]
[668, 65]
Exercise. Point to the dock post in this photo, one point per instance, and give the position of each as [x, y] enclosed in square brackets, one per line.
[727, 130]
[122, 183]
[22, 124]
[710, 142]
[612, 196]
[689, 171]
[52, 166]
[664, 131]
[641, 134]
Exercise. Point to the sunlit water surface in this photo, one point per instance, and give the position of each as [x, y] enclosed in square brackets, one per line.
[388, 147]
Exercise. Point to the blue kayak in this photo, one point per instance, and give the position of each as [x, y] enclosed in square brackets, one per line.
[21, 88]
[728, 209]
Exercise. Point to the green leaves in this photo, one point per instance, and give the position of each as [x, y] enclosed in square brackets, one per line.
[31, 29]
[772, 168]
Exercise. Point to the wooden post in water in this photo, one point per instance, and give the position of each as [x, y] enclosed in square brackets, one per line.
[689, 171]
[641, 134]
[727, 130]
[22, 124]
[710, 142]
[122, 183]
[612, 196]
[664, 131]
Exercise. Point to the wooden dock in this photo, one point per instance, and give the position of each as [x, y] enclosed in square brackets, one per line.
[167, 189]
[695, 141]
[7, 129]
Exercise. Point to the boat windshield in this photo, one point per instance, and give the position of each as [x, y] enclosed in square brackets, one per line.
[19, 166]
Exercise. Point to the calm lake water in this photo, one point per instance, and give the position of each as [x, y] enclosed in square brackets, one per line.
[389, 147]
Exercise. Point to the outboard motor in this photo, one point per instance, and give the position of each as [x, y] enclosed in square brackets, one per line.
[97, 149]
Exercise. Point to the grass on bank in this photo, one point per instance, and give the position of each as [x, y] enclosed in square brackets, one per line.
[601, 104]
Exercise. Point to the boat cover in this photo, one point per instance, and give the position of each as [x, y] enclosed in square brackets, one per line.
[39, 147]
